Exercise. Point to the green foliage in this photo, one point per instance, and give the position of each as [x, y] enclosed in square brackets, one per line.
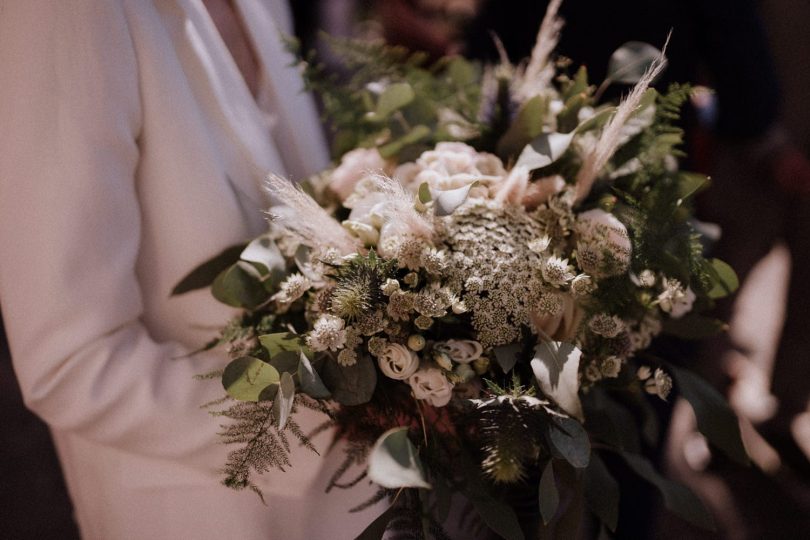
[204, 274]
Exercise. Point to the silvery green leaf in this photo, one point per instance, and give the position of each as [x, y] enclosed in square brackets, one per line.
[393, 463]
[281, 341]
[544, 150]
[245, 378]
[239, 286]
[447, 201]
[350, 385]
[283, 403]
[629, 62]
[549, 496]
[393, 98]
[570, 441]
[507, 355]
[263, 251]
[311, 383]
[677, 498]
[205, 274]
[555, 366]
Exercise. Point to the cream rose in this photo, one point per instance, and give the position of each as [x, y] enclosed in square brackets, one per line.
[431, 385]
[398, 362]
[354, 166]
[461, 351]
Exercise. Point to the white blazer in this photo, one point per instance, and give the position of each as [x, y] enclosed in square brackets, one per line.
[131, 150]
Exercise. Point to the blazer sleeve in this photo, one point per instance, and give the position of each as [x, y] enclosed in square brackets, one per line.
[70, 116]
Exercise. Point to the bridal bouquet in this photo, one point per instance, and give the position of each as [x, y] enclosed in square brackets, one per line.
[470, 293]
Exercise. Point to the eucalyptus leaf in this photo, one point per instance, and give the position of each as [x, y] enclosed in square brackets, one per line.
[570, 440]
[416, 134]
[283, 403]
[507, 355]
[690, 183]
[264, 251]
[310, 381]
[544, 150]
[245, 378]
[447, 201]
[527, 125]
[350, 385]
[285, 362]
[629, 63]
[205, 274]
[602, 492]
[556, 368]
[549, 496]
[497, 515]
[281, 342]
[726, 280]
[715, 419]
[238, 286]
[393, 462]
[393, 98]
[677, 498]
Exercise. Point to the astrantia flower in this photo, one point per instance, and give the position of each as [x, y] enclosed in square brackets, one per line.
[292, 288]
[431, 385]
[397, 361]
[582, 285]
[328, 333]
[347, 357]
[660, 384]
[605, 325]
[603, 245]
[674, 299]
[611, 366]
[557, 271]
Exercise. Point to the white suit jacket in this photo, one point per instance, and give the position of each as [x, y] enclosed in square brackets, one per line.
[131, 150]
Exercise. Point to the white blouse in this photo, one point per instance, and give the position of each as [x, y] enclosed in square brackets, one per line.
[131, 150]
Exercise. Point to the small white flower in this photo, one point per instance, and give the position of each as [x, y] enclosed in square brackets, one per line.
[540, 245]
[674, 299]
[593, 373]
[292, 288]
[611, 367]
[398, 362]
[431, 385]
[644, 373]
[605, 325]
[347, 357]
[582, 285]
[660, 384]
[557, 271]
[390, 286]
[461, 351]
[645, 279]
[459, 307]
[328, 333]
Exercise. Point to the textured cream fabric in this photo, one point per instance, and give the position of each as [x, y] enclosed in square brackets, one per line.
[130, 151]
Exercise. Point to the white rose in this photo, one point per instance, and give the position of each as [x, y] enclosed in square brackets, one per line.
[603, 245]
[398, 362]
[431, 385]
[461, 351]
[354, 166]
[561, 326]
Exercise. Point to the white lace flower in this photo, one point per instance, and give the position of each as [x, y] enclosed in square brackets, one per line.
[557, 271]
[398, 362]
[328, 333]
[431, 385]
